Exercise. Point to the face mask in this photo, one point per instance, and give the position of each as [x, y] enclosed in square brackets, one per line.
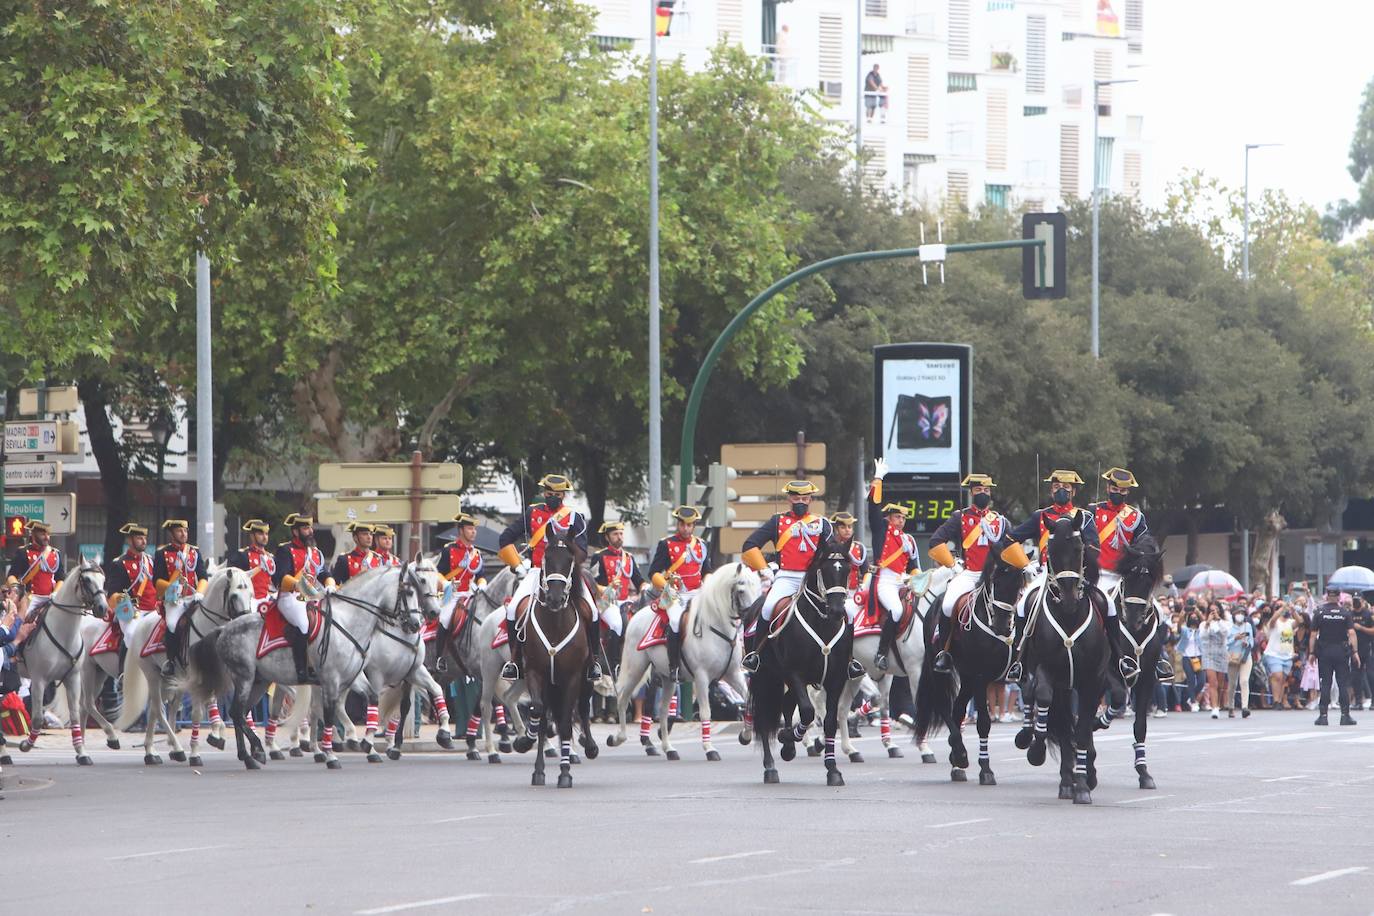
[1116, 499]
[554, 502]
[982, 500]
[1240, 618]
[1061, 497]
[799, 509]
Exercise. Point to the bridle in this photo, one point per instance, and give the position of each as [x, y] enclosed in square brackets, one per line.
[985, 594]
[532, 618]
[89, 594]
[1153, 614]
[819, 596]
[199, 602]
[1052, 583]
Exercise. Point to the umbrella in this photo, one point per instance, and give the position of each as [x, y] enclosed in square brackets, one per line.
[1185, 575]
[1352, 579]
[1219, 582]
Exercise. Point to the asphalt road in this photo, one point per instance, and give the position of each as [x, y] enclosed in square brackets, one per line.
[1266, 814]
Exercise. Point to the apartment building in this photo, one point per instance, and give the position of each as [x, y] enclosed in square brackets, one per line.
[987, 102]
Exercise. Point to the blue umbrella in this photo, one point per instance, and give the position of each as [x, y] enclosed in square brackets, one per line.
[1352, 579]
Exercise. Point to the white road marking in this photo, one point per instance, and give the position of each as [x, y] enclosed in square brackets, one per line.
[1327, 876]
[733, 855]
[1367, 739]
[418, 904]
[1285, 778]
[1295, 736]
[1188, 739]
[161, 852]
[976, 820]
[466, 817]
[1133, 801]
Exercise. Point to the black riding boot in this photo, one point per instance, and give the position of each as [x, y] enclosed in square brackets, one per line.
[511, 670]
[885, 638]
[1126, 664]
[441, 650]
[674, 655]
[944, 662]
[750, 662]
[594, 650]
[172, 640]
[1016, 670]
[299, 655]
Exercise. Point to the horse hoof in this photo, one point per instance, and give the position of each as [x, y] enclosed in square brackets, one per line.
[1035, 754]
[1065, 792]
[250, 764]
[856, 757]
[614, 741]
[812, 751]
[770, 777]
[1092, 780]
[152, 760]
[505, 746]
[393, 753]
[650, 750]
[589, 747]
[503, 729]
[894, 752]
[1147, 781]
[788, 752]
[6, 761]
[112, 743]
[959, 758]
[296, 752]
[444, 739]
[260, 757]
[334, 765]
[745, 737]
[374, 757]
[985, 778]
[958, 776]
[1082, 795]
[573, 758]
[833, 778]
[537, 779]
[672, 755]
[565, 780]
[178, 756]
[713, 756]
[473, 755]
[352, 745]
[196, 761]
[320, 757]
[275, 755]
[216, 743]
[494, 758]
[26, 745]
[928, 758]
[304, 745]
[366, 745]
[83, 760]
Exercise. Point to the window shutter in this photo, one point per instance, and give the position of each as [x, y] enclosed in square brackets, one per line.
[918, 98]
[1035, 55]
[1102, 70]
[730, 21]
[875, 168]
[832, 56]
[959, 35]
[1072, 10]
[1132, 168]
[1068, 160]
[956, 194]
[1135, 26]
[997, 130]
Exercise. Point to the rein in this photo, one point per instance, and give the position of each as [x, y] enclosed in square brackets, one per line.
[1138, 647]
[985, 595]
[76, 610]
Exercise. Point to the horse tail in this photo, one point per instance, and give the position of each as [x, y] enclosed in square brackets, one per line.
[765, 703]
[206, 675]
[934, 699]
[300, 706]
[1059, 726]
[134, 689]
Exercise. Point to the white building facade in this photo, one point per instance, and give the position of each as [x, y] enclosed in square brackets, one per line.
[986, 102]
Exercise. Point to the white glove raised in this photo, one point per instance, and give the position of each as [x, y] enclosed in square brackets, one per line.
[879, 468]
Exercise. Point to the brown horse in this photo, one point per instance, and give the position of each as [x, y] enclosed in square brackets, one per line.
[555, 651]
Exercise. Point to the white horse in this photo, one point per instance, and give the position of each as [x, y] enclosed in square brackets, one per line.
[495, 691]
[55, 651]
[228, 595]
[709, 652]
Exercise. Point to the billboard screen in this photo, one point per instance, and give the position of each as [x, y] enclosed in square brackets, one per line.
[922, 402]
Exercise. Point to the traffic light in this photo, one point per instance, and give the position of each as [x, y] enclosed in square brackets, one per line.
[1053, 228]
[14, 530]
[719, 495]
[663, 17]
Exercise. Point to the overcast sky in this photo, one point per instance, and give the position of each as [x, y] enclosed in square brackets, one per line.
[1223, 73]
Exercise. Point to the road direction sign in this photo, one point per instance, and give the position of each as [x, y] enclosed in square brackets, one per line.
[42, 437]
[61, 399]
[434, 507]
[390, 475]
[774, 457]
[770, 485]
[33, 473]
[57, 509]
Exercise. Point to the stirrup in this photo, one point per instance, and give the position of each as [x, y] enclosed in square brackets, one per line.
[943, 662]
[1129, 669]
[675, 674]
[879, 661]
[856, 669]
[441, 664]
[594, 670]
[1164, 669]
[510, 671]
[750, 662]
[169, 668]
[1014, 672]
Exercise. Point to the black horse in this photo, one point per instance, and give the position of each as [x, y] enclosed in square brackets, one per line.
[1069, 647]
[811, 645]
[982, 651]
[1143, 632]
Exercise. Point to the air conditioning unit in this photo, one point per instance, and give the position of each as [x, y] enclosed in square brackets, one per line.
[832, 89]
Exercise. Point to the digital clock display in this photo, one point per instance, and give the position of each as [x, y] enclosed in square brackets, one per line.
[927, 508]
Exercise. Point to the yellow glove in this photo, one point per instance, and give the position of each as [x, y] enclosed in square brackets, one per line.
[161, 585]
[288, 583]
[660, 583]
[1015, 555]
[328, 582]
[941, 554]
[509, 555]
[201, 586]
[753, 558]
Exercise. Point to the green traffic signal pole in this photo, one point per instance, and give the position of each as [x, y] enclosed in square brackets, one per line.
[708, 365]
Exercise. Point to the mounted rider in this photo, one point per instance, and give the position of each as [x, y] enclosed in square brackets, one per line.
[533, 527]
[1119, 525]
[36, 570]
[679, 560]
[298, 559]
[360, 558]
[798, 536]
[617, 573]
[1063, 484]
[843, 524]
[383, 539]
[131, 574]
[897, 556]
[257, 560]
[977, 530]
[179, 568]
[461, 566]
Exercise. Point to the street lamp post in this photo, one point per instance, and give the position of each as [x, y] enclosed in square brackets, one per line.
[1245, 247]
[655, 383]
[1096, 321]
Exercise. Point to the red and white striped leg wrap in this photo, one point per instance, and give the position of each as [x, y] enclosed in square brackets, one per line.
[474, 723]
[372, 718]
[215, 718]
[644, 723]
[249, 717]
[195, 732]
[706, 731]
[76, 737]
[327, 743]
[749, 719]
[500, 714]
[441, 708]
[270, 730]
[672, 706]
[391, 727]
[866, 708]
[885, 729]
[33, 735]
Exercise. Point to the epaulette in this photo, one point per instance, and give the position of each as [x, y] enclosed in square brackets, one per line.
[284, 544]
[538, 505]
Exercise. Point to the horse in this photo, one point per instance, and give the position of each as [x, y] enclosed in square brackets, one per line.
[809, 642]
[228, 595]
[982, 649]
[228, 658]
[709, 655]
[1068, 648]
[555, 656]
[909, 651]
[54, 652]
[1143, 633]
[498, 696]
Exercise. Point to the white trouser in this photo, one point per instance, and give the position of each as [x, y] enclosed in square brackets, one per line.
[785, 584]
[678, 608]
[173, 611]
[293, 610]
[964, 581]
[852, 609]
[449, 606]
[889, 598]
[1110, 584]
[611, 616]
[1037, 581]
[38, 602]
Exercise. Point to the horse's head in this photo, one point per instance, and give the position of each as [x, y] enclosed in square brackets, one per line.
[419, 593]
[1141, 568]
[238, 591]
[830, 577]
[1065, 551]
[561, 558]
[90, 587]
[745, 590]
[1004, 584]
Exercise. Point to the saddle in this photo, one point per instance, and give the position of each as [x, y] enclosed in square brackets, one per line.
[870, 622]
[460, 618]
[155, 643]
[111, 639]
[274, 627]
[657, 634]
